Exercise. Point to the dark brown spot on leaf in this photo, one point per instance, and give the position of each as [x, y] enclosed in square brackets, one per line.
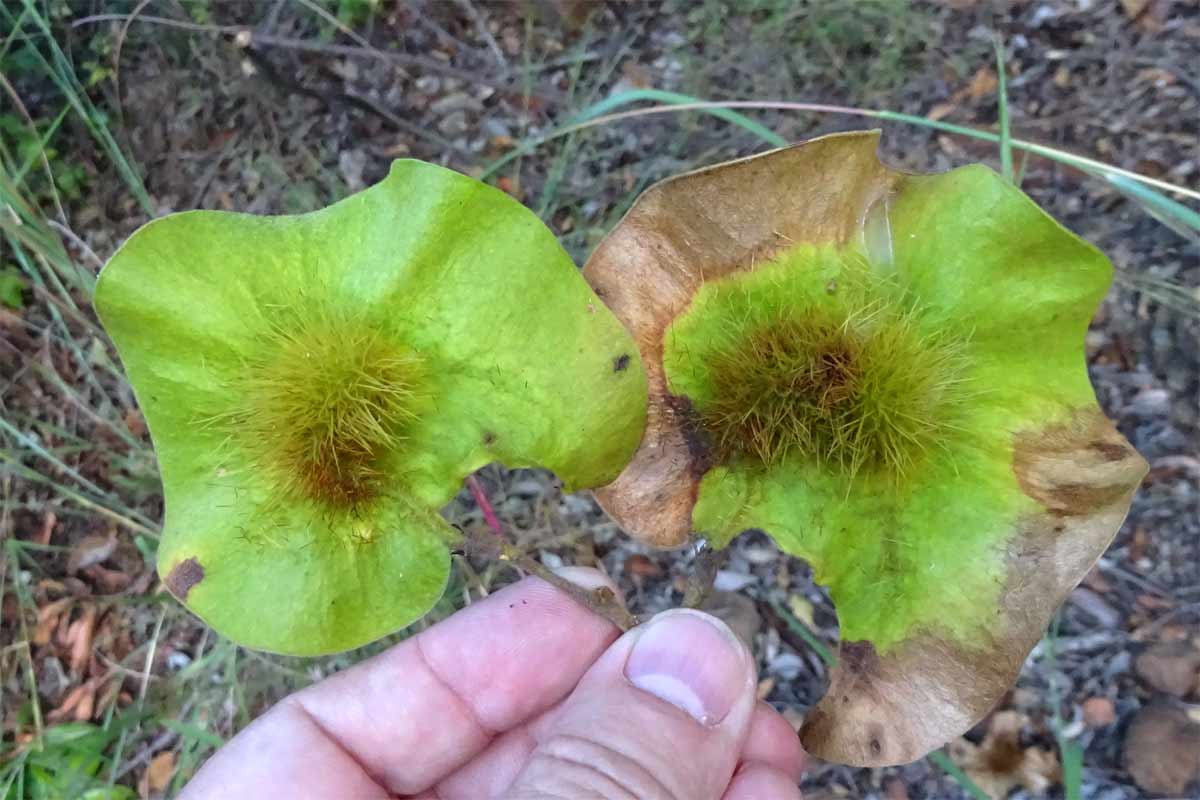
[621, 362]
[858, 657]
[694, 436]
[1110, 451]
[1077, 468]
[1077, 499]
[489, 438]
[183, 576]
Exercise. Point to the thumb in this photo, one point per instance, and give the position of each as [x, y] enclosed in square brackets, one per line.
[662, 714]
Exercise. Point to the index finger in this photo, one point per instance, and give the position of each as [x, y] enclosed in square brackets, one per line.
[420, 710]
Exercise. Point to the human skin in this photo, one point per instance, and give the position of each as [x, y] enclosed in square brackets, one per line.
[526, 694]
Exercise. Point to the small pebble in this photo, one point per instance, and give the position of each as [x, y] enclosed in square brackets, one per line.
[428, 84]
[455, 124]
[727, 581]
[1095, 607]
[459, 101]
[1098, 712]
[786, 665]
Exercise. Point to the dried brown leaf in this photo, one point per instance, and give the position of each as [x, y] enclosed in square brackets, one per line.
[48, 619]
[881, 708]
[109, 581]
[941, 111]
[1000, 764]
[1134, 8]
[160, 771]
[1170, 667]
[641, 566]
[109, 696]
[87, 703]
[79, 638]
[47, 531]
[648, 267]
[983, 83]
[1162, 751]
[62, 634]
[90, 550]
[68, 705]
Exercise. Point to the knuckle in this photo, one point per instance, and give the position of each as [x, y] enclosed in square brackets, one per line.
[579, 768]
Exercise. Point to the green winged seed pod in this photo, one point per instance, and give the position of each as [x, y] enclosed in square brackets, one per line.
[886, 373]
[317, 387]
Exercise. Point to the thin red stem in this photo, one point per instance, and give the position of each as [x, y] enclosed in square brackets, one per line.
[489, 515]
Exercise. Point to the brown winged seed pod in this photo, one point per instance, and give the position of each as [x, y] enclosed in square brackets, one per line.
[886, 373]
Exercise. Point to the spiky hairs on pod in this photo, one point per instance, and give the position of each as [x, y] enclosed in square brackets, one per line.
[846, 377]
[322, 404]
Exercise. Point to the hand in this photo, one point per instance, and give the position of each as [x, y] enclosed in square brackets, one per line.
[525, 694]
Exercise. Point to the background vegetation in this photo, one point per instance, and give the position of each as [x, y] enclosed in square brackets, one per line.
[114, 112]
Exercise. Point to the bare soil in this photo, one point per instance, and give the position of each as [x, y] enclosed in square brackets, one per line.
[269, 108]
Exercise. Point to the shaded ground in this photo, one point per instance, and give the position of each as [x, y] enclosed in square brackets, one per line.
[271, 108]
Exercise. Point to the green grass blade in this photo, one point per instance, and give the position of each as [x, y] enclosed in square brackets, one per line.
[1006, 157]
[35, 154]
[948, 766]
[13, 32]
[1176, 296]
[194, 733]
[1082, 163]
[12, 558]
[610, 104]
[30, 443]
[800, 629]
[60, 71]
[14, 465]
[1072, 768]
[1070, 753]
[1173, 214]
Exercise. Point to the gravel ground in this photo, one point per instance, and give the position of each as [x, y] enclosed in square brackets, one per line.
[295, 113]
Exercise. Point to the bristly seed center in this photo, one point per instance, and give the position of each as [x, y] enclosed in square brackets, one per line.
[323, 407]
[863, 393]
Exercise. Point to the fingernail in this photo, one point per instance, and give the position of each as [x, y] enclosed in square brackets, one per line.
[692, 661]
